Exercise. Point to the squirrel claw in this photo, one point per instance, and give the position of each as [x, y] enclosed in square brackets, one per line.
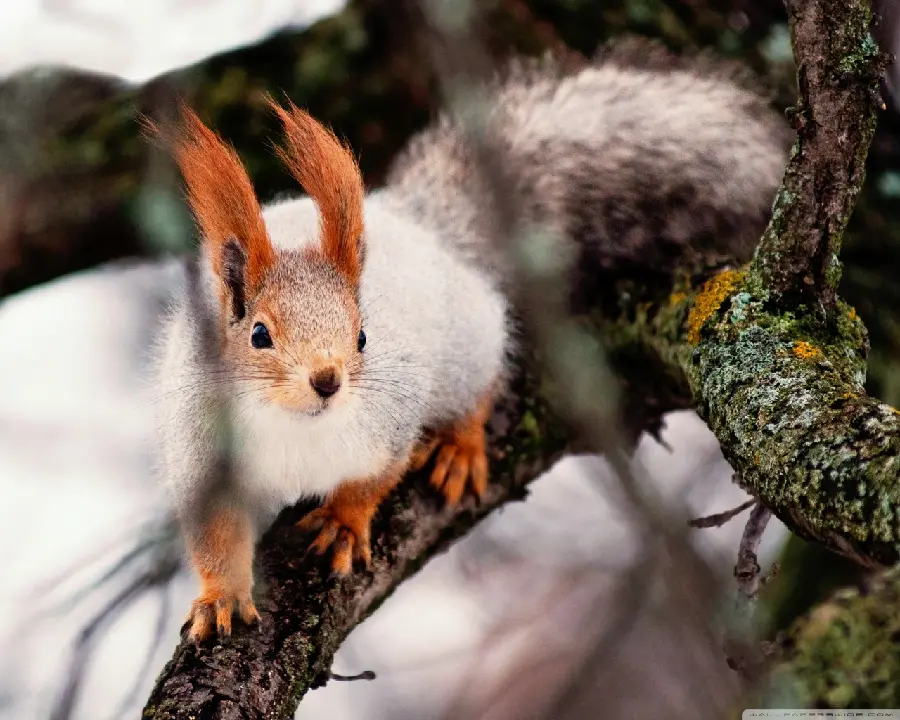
[207, 612]
[460, 466]
[347, 543]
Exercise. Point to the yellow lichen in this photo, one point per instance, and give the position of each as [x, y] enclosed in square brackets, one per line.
[852, 314]
[676, 298]
[805, 351]
[708, 300]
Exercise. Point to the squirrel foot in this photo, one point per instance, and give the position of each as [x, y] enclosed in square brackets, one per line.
[344, 521]
[221, 550]
[213, 609]
[462, 460]
[461, 464]
[343, 530]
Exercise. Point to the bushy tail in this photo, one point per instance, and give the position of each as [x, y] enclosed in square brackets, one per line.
[640, 158]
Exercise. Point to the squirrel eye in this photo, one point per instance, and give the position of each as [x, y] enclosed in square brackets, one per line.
[361, 341]
[259, 337]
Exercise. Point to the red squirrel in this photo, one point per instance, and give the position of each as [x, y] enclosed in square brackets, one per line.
[350, 336]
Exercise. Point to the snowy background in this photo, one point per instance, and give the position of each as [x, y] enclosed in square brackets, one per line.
[76, 487]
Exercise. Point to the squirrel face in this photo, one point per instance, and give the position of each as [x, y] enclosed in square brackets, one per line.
[290, 319]
[301, 340]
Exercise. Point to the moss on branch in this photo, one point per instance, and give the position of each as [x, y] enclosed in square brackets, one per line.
[784, 395]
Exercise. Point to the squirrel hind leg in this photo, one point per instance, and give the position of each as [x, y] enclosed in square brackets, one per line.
[462, 461]
[344, 521]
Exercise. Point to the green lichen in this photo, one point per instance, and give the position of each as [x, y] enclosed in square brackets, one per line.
[739, 306]
[787, 393]
[784, 393]
[862, 59]
[296, 654]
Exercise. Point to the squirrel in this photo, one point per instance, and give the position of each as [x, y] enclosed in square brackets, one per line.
[344, 338]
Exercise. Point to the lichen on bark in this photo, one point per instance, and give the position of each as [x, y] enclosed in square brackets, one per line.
[785, 398]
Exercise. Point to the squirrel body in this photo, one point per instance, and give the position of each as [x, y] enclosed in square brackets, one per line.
[418, 298]
[326, 345]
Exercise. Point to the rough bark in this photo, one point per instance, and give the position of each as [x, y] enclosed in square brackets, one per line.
[838, 68]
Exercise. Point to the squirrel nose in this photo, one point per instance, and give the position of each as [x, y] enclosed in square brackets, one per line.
[325, 382]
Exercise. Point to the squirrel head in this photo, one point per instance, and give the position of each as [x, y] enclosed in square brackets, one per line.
[290, 319]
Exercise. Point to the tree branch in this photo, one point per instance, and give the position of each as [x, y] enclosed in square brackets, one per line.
[838, 69]
[744, 654]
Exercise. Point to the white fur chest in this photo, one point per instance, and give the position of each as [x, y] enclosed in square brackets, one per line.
[282, 458]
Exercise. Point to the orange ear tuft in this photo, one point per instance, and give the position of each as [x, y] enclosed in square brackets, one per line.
[328, 171]
[222, 198]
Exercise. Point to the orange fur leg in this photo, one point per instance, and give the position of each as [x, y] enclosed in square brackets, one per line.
[221, 551]
[344, 522]
[462, 460]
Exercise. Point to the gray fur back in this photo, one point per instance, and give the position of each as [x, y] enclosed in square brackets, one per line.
[641, 158]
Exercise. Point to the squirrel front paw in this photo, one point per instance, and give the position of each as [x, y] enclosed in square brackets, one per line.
[345, 529]
[213, 610]
[344, 522]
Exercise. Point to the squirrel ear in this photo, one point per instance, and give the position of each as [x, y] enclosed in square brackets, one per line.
[223, 202]
[327, 170]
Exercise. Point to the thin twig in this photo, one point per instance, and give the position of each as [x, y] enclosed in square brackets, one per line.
[364, 675]
[743, 653]
[719, 519]
[747, 569]
[157, 575]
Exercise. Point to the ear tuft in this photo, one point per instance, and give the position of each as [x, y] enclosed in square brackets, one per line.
[222, 199]
[328, 171]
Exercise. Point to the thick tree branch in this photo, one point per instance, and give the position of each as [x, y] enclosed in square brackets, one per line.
[78, 188]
